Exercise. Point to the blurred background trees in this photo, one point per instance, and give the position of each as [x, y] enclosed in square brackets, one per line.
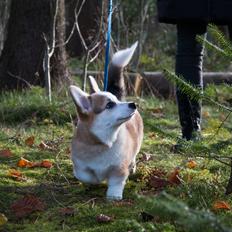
[21, 61]
[24, 25]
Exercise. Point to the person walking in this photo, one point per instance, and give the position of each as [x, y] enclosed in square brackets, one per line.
[191, 18]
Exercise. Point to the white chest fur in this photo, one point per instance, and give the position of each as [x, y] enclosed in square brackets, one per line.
[92, 163]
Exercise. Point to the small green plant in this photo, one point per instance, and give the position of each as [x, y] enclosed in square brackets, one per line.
[166, 208]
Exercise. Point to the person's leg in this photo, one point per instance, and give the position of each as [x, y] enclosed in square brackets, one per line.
[230, 31]
[189, 58]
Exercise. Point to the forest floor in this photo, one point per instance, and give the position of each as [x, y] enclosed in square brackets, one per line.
[169, 192]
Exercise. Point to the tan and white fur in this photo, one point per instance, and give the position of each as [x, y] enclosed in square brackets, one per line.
[109, 131]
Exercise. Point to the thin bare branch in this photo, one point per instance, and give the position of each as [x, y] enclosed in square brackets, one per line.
[68, 39]
[77, 24]
[96, 55]
[53, 34]
[49, 50]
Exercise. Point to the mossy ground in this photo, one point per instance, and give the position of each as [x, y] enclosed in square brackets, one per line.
[29, 114]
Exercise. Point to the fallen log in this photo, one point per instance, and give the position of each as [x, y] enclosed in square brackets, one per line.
[154, 83]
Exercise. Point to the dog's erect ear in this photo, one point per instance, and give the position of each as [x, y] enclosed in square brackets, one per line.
[80, 99]
[93, 85]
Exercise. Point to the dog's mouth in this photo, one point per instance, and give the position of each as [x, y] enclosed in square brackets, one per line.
[126, 118]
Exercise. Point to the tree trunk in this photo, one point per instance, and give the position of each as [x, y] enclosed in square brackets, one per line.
[59, 70]
[22, 57]
[4, 16]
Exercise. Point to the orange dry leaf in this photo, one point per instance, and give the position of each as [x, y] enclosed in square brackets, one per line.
[174, 177]
[46, 164]
[28, 164]
[17, 175]
[5, 153]
[221, 205]
[27, 205]
[24, 163]
[30, 141]
[191, 164]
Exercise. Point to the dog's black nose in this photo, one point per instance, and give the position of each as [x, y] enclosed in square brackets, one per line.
[132, 105]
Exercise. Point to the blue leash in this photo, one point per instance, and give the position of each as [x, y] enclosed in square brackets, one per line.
[107, 47]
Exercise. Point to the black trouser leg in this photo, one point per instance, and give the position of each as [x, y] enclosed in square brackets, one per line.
[230, 31]
[189, 58]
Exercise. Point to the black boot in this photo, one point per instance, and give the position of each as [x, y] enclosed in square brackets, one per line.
[190, 121]
[190, 116]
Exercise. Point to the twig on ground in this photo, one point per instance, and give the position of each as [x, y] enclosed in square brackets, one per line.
[57, 200]
[90, 200]
[60, 171]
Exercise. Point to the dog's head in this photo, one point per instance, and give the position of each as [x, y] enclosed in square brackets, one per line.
[101, 111]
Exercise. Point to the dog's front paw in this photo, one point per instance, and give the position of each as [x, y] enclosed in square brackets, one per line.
[114, 198]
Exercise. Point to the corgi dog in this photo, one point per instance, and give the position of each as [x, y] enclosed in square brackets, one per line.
[109, 131]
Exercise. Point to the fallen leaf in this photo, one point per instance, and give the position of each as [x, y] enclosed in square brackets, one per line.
[17, 175]
[157, 110]
[44, 146]
[24, 163]
[28, 164]
[27, 205]
[123, 203]
[67, 211]
[174, 177]
[104, 218]
[46, 164]
[6, 153]
[157, 179]
[30, 141]
[221, 205]
[191, 164]
[3, 219]
[159, 172]
[158, 183]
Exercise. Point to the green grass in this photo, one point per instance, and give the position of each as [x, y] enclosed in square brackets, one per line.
[28, 114]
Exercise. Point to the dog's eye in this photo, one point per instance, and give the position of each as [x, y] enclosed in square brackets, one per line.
[110, 105]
